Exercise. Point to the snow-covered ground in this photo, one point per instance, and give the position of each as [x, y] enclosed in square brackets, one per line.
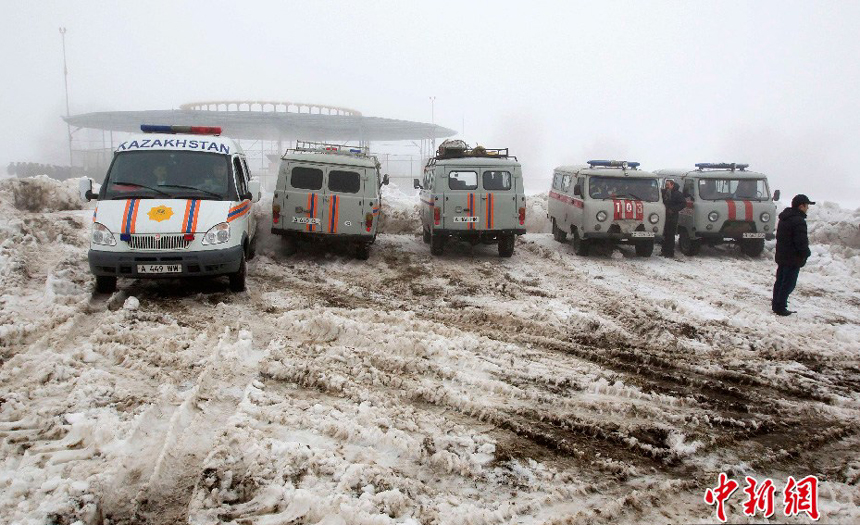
[462, 389]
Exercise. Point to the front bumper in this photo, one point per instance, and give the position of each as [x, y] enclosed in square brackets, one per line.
[720, 237]
[622, 237]
[202, 263]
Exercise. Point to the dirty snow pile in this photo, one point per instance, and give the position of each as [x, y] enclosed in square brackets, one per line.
[408, 389]
[400, 211]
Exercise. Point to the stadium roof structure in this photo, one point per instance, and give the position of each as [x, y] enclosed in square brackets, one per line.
[267, 120]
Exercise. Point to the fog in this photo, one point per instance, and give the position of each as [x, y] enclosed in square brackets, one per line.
[668, 84]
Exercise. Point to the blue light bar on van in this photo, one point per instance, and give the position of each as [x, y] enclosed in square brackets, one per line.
[613, 163]
[721, 166]
[194, 130]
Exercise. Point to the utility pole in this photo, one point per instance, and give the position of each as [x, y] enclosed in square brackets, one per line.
[66, 80]
[433, 121]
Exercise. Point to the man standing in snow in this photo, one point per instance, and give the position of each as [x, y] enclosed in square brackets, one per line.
[675, 202]
[792, 250]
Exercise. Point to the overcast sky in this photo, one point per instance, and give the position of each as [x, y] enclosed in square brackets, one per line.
[669, 84]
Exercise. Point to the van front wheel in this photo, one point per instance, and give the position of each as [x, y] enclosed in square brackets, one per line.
[290, 246]
[557, 233]
[752, 247]
[644, 248]
[689, 247]
[105, 284]
[237, 280]
[580, 245]
[506, 244]
[426, 235]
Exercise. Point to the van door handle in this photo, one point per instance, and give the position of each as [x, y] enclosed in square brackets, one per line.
[484, 197]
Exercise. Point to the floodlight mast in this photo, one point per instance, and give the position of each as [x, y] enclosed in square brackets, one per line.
[66, 81]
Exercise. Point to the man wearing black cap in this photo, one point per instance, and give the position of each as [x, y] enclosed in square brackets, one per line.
[792, 250]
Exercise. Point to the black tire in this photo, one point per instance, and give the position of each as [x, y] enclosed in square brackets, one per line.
[688, 246]
[644, 248]
[105, 284]
[437, 244]
[252, 248]
[426, 235]
[752, 247]
[290, 246]
[237, 280]
[557, 233]
[506, 244]
[580, 245]
[362, 251]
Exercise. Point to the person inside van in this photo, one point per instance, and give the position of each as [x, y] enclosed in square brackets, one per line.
[746, 190]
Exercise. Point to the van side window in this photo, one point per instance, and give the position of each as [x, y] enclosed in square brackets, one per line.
[306, 178]
[581, 182]
[556, 181]
[497, 180]
[241, 184]
[463, 180]
[565, 182]
[344, 181]
[247, 171]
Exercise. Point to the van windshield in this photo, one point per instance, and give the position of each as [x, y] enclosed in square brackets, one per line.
[729, 189]
[171, 174]
[624, 188]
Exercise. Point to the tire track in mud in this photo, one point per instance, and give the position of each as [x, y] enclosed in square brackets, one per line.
[751, 407]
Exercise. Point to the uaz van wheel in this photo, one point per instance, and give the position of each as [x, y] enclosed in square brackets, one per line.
[644, 248]
[426, 235]
[362, 251]
[437, 244]
[557, 233]
[752, 247]
[237, 280]
[688, 246]
[506, 245]
[105, 284]
[580, 245]
[290, 246]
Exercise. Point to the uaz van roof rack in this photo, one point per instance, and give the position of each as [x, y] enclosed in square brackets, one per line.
[305, 146]
[721, 166]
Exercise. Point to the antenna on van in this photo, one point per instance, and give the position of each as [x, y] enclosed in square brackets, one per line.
[721, 166]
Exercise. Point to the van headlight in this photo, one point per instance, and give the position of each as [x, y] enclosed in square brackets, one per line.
[713, 216]
[653, 218]
[218, 234]
[765, 217]
[601, 216]
[102, 236]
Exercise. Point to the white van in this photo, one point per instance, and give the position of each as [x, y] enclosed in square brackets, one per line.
[328, 192]
[726, 203]
[176, 202]
[606, 201]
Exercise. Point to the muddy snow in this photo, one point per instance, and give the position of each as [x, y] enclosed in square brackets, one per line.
[461, 389]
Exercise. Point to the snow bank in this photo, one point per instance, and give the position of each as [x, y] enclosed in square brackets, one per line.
[41, 194]
[830, 224]
[536, 214]
[400, 212]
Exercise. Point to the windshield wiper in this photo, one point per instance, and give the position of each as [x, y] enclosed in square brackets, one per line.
[637, 197]
[156, 190]
[212, 193]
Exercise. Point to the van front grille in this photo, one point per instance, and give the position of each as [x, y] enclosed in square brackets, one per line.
[174, 241]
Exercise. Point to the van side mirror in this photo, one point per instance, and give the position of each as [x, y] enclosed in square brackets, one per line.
[776, 195]
[417, 184]
[254, 190]
[385, 180]
[577, 190]
[85, 188]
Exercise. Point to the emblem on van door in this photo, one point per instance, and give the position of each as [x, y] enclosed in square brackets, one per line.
[160, 213]
[347, 223]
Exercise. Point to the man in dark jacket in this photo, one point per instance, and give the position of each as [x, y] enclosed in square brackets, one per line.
[675, 202]
[792, 250]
